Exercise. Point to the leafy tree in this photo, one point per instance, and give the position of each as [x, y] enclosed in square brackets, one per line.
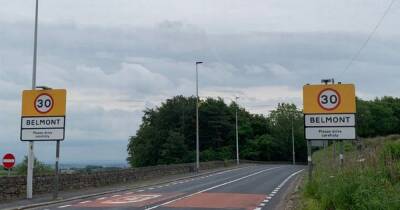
[39, 167]
[168, 133]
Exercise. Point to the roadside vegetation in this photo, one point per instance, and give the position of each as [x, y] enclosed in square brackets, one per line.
[21, 168]
[369, 178]
[167, 134]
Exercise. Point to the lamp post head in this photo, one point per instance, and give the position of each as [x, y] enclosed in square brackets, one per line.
[44, 87]
[198, 62]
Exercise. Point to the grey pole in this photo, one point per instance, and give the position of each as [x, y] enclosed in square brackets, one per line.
[293, 151]
[197, 118]
[341, 153]
[31, 156]
[237, 134]
[56, 177]
[309, 152]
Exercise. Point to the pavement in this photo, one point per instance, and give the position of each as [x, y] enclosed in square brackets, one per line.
[254, 187]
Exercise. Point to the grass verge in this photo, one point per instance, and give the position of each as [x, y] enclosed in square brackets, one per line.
[368, 180]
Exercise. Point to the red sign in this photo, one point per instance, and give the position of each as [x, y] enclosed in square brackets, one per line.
[8, 161]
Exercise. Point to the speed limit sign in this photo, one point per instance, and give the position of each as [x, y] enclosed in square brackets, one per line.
[44, 103]
[335, 98]
[43, 115]
[329, 99]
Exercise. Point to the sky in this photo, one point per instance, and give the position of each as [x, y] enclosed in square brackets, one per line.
[117, 58]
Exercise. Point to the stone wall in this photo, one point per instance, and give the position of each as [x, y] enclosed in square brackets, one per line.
[15, 187]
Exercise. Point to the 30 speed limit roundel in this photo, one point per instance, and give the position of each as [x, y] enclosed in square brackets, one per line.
[329, 99]
[44, 103]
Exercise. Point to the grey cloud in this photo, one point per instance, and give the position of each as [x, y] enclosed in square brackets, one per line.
[112, 73]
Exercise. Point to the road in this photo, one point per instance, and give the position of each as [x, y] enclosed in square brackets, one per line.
[252, 187]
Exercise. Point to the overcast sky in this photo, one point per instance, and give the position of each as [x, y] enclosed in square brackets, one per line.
[117, 57]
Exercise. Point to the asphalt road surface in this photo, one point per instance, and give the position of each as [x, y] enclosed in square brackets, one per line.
[253, 187]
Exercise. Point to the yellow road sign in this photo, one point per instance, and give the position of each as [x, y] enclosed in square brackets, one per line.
[321, 99]
[36, 103]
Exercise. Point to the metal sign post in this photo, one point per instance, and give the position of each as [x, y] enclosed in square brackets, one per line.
[56, 176]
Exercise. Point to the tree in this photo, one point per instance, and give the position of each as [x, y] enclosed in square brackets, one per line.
[168, 133]
[39, 167]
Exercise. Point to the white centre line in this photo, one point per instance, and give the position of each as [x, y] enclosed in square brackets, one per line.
[85, 202]
[211, 188]
[102, 198]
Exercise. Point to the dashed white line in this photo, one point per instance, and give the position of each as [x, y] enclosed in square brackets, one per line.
[208, 189]
[102, 198]
[115, 196]
[140, 190]
[65, 206]
[85, 202]
[276, 190]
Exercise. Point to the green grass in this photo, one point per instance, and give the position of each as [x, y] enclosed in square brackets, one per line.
[369, 179]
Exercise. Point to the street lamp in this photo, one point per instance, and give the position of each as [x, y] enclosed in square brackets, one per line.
[294, 153]
[237, 133]
[197, 117]
[31, 156]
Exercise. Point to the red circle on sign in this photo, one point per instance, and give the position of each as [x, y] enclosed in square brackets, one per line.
[52, 103]
[338, 99]
[8, 160]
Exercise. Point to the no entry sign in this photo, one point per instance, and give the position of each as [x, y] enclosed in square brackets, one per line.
[8, 161]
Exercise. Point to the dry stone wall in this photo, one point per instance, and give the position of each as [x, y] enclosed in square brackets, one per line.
[14, 187]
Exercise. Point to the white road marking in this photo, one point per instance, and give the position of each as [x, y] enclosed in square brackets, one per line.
[287, 179]
[85, 202]
[140, 190]
[60, 207]
[276, 190]
[150, 188]
[132, 199]
[211, 188]
[258, 208]
[128, 193]
[115, 196]
[102, 198]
